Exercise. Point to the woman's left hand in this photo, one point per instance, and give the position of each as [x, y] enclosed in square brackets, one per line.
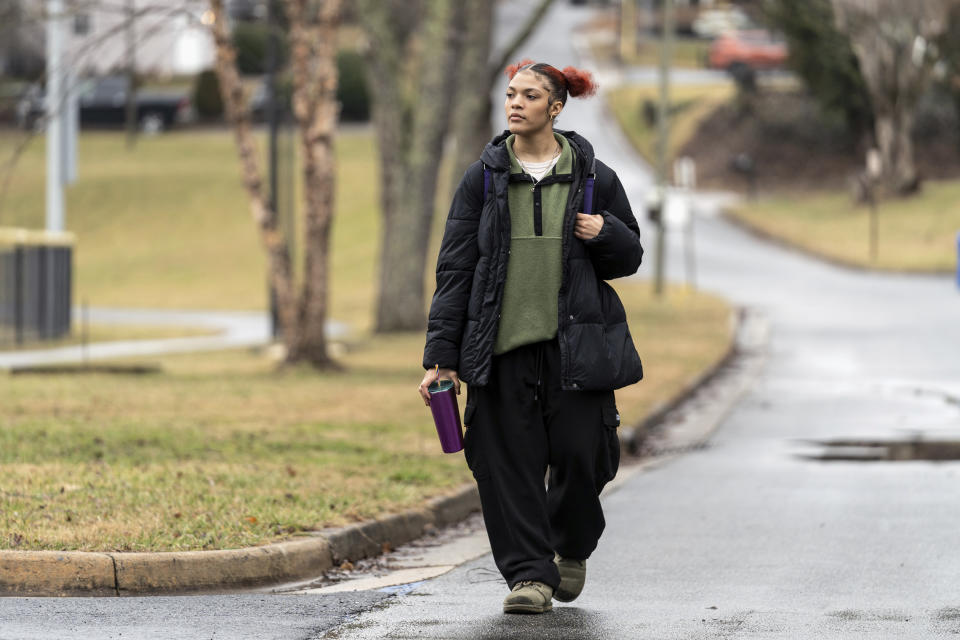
[588, 226]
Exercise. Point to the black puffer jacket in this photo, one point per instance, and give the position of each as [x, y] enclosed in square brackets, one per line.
[596, 349]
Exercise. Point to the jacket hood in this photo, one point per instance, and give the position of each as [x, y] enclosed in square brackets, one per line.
[496, 157]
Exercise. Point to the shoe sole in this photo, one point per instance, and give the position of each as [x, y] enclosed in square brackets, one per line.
[527, 608]
[566, 596]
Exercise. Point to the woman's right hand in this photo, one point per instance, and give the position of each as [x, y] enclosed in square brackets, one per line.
[433, 375]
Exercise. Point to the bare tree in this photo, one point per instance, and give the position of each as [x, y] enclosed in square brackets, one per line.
[891, 40]
[413, 55]
[313, 36]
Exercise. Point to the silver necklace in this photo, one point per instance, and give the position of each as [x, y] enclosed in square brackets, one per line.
[555, 154]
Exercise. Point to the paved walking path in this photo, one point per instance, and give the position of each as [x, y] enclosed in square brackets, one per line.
[232, 330]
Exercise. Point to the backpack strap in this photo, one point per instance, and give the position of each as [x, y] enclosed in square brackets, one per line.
[588, 189]
[486, 182]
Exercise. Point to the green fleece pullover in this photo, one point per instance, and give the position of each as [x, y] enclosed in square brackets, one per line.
[531, 292]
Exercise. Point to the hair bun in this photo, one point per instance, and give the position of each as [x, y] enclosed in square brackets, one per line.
[579, 83]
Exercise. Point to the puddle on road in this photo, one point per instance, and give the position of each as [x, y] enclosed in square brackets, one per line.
[884, 450]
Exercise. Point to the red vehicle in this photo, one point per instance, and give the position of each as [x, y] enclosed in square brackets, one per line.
[741, 50]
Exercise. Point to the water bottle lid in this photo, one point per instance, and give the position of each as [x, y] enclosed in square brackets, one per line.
[440, 385]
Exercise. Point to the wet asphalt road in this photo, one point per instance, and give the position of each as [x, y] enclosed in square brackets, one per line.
[742, 539]
[747, 538]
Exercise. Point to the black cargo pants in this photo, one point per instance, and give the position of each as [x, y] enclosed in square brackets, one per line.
[520, 424]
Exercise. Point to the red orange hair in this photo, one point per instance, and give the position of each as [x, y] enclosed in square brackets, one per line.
[575, 82]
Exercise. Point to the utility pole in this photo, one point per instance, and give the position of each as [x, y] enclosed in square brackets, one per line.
[55, 124]
[663, 137]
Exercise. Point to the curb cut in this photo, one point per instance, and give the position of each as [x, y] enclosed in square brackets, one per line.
[82, 573]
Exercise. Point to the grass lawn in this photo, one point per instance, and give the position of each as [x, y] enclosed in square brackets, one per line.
[915, 234]
[220, 450]
[689, 105]
[168, 226]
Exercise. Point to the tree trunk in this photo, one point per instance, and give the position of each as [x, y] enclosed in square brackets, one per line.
[896, 149]
[471, 115]
[313, 44]
[411, 127]
[302, 317]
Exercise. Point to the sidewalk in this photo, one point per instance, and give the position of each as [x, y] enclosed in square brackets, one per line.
[237, 330]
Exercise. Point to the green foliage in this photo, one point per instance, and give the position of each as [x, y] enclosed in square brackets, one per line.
[823, 58]
[206, 95]
[352, 90]
[251, 39]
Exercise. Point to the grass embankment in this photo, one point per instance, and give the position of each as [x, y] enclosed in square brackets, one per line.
[219, 450]
[689, 105]
[915, 234]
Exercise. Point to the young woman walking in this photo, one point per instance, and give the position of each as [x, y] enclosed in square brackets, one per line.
[522, 314]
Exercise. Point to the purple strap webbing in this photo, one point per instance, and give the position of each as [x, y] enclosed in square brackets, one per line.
[588, 196]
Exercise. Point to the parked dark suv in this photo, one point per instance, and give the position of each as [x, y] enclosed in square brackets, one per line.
[103, 103]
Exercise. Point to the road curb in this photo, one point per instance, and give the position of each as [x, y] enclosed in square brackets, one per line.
[56, 573]
[81, 573]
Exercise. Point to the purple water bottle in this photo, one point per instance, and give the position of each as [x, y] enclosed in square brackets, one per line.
[446, 415]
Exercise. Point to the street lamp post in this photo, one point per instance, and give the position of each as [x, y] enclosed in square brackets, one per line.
[663, 131]
[55, 216]
[272, 124]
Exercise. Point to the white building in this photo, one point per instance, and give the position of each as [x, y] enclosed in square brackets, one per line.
[169, 37]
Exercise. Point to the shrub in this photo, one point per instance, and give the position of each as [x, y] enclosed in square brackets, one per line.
[352, 90]
[206, 95]
[823, 57]
[250, 40]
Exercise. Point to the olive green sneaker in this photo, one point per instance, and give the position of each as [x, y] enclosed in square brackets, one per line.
[573, 573]
[529, 596]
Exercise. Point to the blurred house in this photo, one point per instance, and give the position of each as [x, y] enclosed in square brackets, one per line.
[169, 38]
